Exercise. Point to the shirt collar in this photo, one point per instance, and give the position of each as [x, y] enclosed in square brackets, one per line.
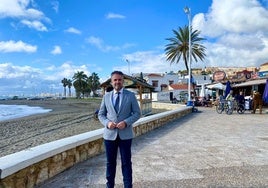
[121, 91]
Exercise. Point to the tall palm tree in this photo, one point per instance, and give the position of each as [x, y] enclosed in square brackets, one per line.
[179, 46]
[94, 82]
[80, 83]
[64, 82]
[70, 84]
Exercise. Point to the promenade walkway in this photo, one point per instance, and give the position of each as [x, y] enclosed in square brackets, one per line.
[203, 149]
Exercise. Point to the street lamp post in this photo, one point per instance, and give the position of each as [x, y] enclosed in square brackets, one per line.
[188, 12]
[128, 67]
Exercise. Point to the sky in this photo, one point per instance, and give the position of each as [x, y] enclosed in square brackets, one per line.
[42, 42]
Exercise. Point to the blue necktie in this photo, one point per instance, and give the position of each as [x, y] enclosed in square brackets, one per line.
[116, 105]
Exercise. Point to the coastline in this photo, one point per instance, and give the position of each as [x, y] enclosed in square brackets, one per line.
[68, 117]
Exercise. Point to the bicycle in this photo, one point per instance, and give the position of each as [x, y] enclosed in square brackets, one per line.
[240, 107]
[225, 105]
[220, 106]
[229, 106]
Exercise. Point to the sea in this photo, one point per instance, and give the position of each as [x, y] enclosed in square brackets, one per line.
[8, 112]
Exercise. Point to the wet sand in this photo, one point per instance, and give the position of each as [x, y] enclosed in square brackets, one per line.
[67, 118]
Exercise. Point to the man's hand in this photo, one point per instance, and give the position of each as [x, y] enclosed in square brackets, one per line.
[121, 125]
[111, 125]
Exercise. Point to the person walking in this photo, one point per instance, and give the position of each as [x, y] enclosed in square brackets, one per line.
[257, 102]
[119, 109]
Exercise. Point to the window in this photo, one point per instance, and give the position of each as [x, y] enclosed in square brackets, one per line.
[171, 82]
[155, 83]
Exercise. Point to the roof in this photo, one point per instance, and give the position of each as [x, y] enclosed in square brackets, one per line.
[180, 86]
[250, 83]
[155, 75]
[264, 64]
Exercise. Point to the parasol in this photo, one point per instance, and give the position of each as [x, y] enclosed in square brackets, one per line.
[265, 93]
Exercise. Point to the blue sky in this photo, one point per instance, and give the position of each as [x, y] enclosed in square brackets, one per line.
[42, 42]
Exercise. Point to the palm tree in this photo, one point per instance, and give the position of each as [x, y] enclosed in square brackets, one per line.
[179, 46]
[69, 82]
[80, 83]
[94, 83]
[64, 81]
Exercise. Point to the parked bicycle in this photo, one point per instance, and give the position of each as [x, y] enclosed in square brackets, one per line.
[229, 106]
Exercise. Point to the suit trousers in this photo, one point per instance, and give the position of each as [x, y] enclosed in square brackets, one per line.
[111, 147]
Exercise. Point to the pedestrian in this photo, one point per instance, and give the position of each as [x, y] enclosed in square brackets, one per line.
[119, 109]
[240, 98]
[257, 102]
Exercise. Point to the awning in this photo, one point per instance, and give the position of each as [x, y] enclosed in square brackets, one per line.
[216, 86]
[250, 83]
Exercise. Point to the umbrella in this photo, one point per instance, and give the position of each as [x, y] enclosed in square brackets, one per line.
[216, 86]
[228, 89]
[265, 93]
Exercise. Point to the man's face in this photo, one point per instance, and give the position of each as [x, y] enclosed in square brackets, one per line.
[117, 81]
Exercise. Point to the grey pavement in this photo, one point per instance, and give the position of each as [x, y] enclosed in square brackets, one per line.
[203, 149]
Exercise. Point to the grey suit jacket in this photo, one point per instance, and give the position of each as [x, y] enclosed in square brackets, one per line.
[129, 112]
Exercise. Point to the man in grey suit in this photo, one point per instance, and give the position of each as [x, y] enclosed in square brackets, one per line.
[118, 111]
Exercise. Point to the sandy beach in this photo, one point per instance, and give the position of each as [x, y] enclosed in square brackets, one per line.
[68, 117]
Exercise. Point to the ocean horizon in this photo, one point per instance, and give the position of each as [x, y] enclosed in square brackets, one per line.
[9, 112]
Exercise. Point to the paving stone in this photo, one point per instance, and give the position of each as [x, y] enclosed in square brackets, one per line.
[203, 149]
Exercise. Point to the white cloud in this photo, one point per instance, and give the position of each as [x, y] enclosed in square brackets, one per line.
[100, 44]
[73, 30]
[10, 71]
[37, 25]
[114, 16]
[236, 33]
[20, 9]
[13, 8]
[25, 80]
[19, 46]
[238, 16]
[55, 6]
[149, 62]
[56, 50]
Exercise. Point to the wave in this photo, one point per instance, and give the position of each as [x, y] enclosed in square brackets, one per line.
[8, 112]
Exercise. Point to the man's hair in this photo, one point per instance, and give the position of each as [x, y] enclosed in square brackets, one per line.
[117, 72]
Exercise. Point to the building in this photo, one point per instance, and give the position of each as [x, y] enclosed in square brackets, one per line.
[160, 82]
[263, 72]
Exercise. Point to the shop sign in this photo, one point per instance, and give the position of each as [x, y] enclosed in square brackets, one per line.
[219, 75]
[128, 82]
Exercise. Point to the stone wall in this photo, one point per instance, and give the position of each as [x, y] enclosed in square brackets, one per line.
[28, 168]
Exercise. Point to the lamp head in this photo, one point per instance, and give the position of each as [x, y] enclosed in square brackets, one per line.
[186, 10]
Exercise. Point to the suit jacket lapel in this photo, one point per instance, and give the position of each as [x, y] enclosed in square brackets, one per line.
[123, 100]
[110, 101]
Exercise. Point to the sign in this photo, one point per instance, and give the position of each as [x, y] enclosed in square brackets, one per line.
[128, 82]
[219, 75]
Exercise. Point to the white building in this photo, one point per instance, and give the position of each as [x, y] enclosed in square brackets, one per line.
[161, 81]
[171, 85]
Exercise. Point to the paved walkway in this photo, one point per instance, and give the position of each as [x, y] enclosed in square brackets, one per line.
[203, 149]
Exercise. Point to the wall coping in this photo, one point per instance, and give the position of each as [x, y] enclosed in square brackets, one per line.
[12, 163]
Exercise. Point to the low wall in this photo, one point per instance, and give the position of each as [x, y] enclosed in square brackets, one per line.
[33, 166]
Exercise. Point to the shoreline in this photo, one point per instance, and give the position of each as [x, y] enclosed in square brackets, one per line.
[68, 117]
[20, 111]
